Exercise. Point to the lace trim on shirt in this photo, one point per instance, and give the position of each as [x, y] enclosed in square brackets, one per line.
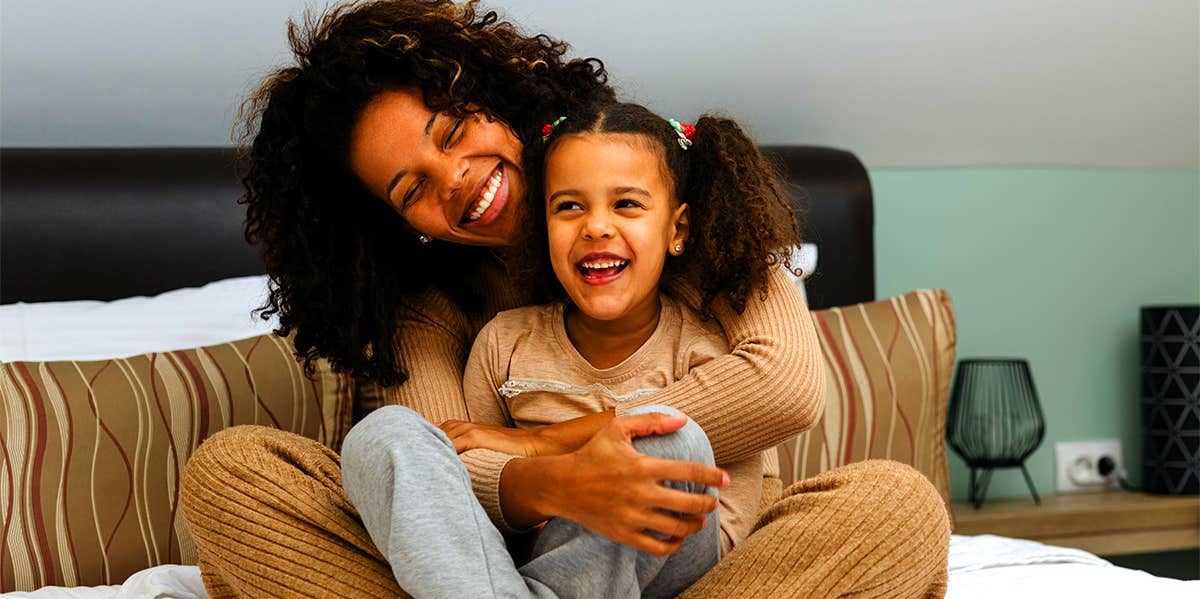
[514, 387]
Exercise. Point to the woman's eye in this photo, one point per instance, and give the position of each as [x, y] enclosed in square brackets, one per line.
[454, 134]
[412, 193]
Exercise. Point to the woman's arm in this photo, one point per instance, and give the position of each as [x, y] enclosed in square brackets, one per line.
[609, 488]
[769, 387]
[434, 338]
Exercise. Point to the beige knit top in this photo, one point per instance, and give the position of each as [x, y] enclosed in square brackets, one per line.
[766, 389]
[524, 371]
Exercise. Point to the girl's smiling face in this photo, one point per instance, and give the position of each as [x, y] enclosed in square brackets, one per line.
[611, 218]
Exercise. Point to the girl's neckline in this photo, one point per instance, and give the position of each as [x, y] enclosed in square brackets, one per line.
[667, 313]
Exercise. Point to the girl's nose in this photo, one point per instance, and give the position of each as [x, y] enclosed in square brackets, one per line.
[597, 226]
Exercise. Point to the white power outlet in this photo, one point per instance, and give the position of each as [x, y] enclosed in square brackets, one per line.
[1079, 468]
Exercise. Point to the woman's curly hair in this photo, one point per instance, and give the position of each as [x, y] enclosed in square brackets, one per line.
[740, 223]
[341, 263]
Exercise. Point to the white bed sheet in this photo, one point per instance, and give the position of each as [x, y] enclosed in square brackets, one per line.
[159, 582]
[981, 567]
[989, 566]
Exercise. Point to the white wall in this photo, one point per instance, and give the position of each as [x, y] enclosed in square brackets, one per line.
[902, 83]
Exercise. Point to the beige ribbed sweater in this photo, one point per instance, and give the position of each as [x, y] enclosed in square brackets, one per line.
[524, 371]
[767, 388]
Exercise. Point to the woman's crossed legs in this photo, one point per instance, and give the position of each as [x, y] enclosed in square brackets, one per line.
[270, 518]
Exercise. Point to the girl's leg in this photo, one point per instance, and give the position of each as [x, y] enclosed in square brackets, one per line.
[269, 518]
[416, 500]
[870, 529]
[579, 563]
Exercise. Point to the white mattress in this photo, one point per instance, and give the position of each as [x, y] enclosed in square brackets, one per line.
[981, 567]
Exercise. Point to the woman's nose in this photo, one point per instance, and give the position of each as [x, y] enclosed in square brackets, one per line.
[451, 175]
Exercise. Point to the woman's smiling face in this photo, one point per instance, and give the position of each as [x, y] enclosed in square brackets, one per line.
[611, 220]
[458, 180]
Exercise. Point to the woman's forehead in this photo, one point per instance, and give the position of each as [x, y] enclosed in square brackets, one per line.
[389, 127]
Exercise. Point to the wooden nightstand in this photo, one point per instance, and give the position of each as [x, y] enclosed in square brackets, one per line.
[1108, 523]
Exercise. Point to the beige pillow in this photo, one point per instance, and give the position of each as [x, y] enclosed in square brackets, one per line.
[93, 451]
[888, 366]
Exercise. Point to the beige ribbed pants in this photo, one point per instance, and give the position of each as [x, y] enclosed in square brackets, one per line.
[270, 519]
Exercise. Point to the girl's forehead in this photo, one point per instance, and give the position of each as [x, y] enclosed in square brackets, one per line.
[593, 151]
[635, 142]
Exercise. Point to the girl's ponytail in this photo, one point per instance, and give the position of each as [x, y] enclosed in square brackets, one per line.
[741, 223]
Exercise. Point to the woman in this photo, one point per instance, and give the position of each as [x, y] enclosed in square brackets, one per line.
[385, 186]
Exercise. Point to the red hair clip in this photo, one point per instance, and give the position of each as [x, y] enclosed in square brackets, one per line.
[548, 128]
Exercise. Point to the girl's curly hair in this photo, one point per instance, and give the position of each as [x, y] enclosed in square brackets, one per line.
[740, 224]
[341, 264]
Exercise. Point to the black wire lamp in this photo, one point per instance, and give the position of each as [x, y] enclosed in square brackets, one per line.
[995, 420]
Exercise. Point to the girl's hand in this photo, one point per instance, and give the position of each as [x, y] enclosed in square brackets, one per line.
[513, 441]
[609, 488]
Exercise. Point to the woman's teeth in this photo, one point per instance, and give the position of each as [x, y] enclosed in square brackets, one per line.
[489, 194]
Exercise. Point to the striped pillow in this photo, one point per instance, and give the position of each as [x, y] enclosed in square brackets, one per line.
[888, 366]
[93, 451]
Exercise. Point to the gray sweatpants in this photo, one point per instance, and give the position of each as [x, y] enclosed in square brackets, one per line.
[416, 501]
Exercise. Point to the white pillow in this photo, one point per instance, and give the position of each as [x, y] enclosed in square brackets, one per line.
[93, 330]
[803, 257]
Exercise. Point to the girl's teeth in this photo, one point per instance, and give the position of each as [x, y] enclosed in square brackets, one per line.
[489, 194]
[605, 264]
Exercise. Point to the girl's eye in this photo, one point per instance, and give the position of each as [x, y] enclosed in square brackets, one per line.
[566, 205]
[454, 134]
[628, 204]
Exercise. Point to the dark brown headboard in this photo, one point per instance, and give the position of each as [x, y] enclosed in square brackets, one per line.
[110, 223]
[831, 190]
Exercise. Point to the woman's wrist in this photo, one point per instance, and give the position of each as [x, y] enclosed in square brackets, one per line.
[528, 489]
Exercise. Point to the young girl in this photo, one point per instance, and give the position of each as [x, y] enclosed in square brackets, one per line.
[627, 198]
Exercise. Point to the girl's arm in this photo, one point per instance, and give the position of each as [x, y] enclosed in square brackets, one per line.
[435, 336]
[490, 424]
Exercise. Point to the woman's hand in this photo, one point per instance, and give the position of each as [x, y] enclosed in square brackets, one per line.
[609, 488]
[513, 441]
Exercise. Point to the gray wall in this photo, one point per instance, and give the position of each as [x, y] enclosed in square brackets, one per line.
[902, 83]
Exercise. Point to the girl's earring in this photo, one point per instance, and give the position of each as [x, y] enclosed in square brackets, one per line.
[423, 238]
[678, 248]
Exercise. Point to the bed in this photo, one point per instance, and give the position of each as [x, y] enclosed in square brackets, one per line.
[82, 227]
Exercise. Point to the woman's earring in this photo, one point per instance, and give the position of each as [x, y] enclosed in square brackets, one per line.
[423, 238]
[678, 248]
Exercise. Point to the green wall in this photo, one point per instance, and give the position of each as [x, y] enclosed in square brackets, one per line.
[1049, 264]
